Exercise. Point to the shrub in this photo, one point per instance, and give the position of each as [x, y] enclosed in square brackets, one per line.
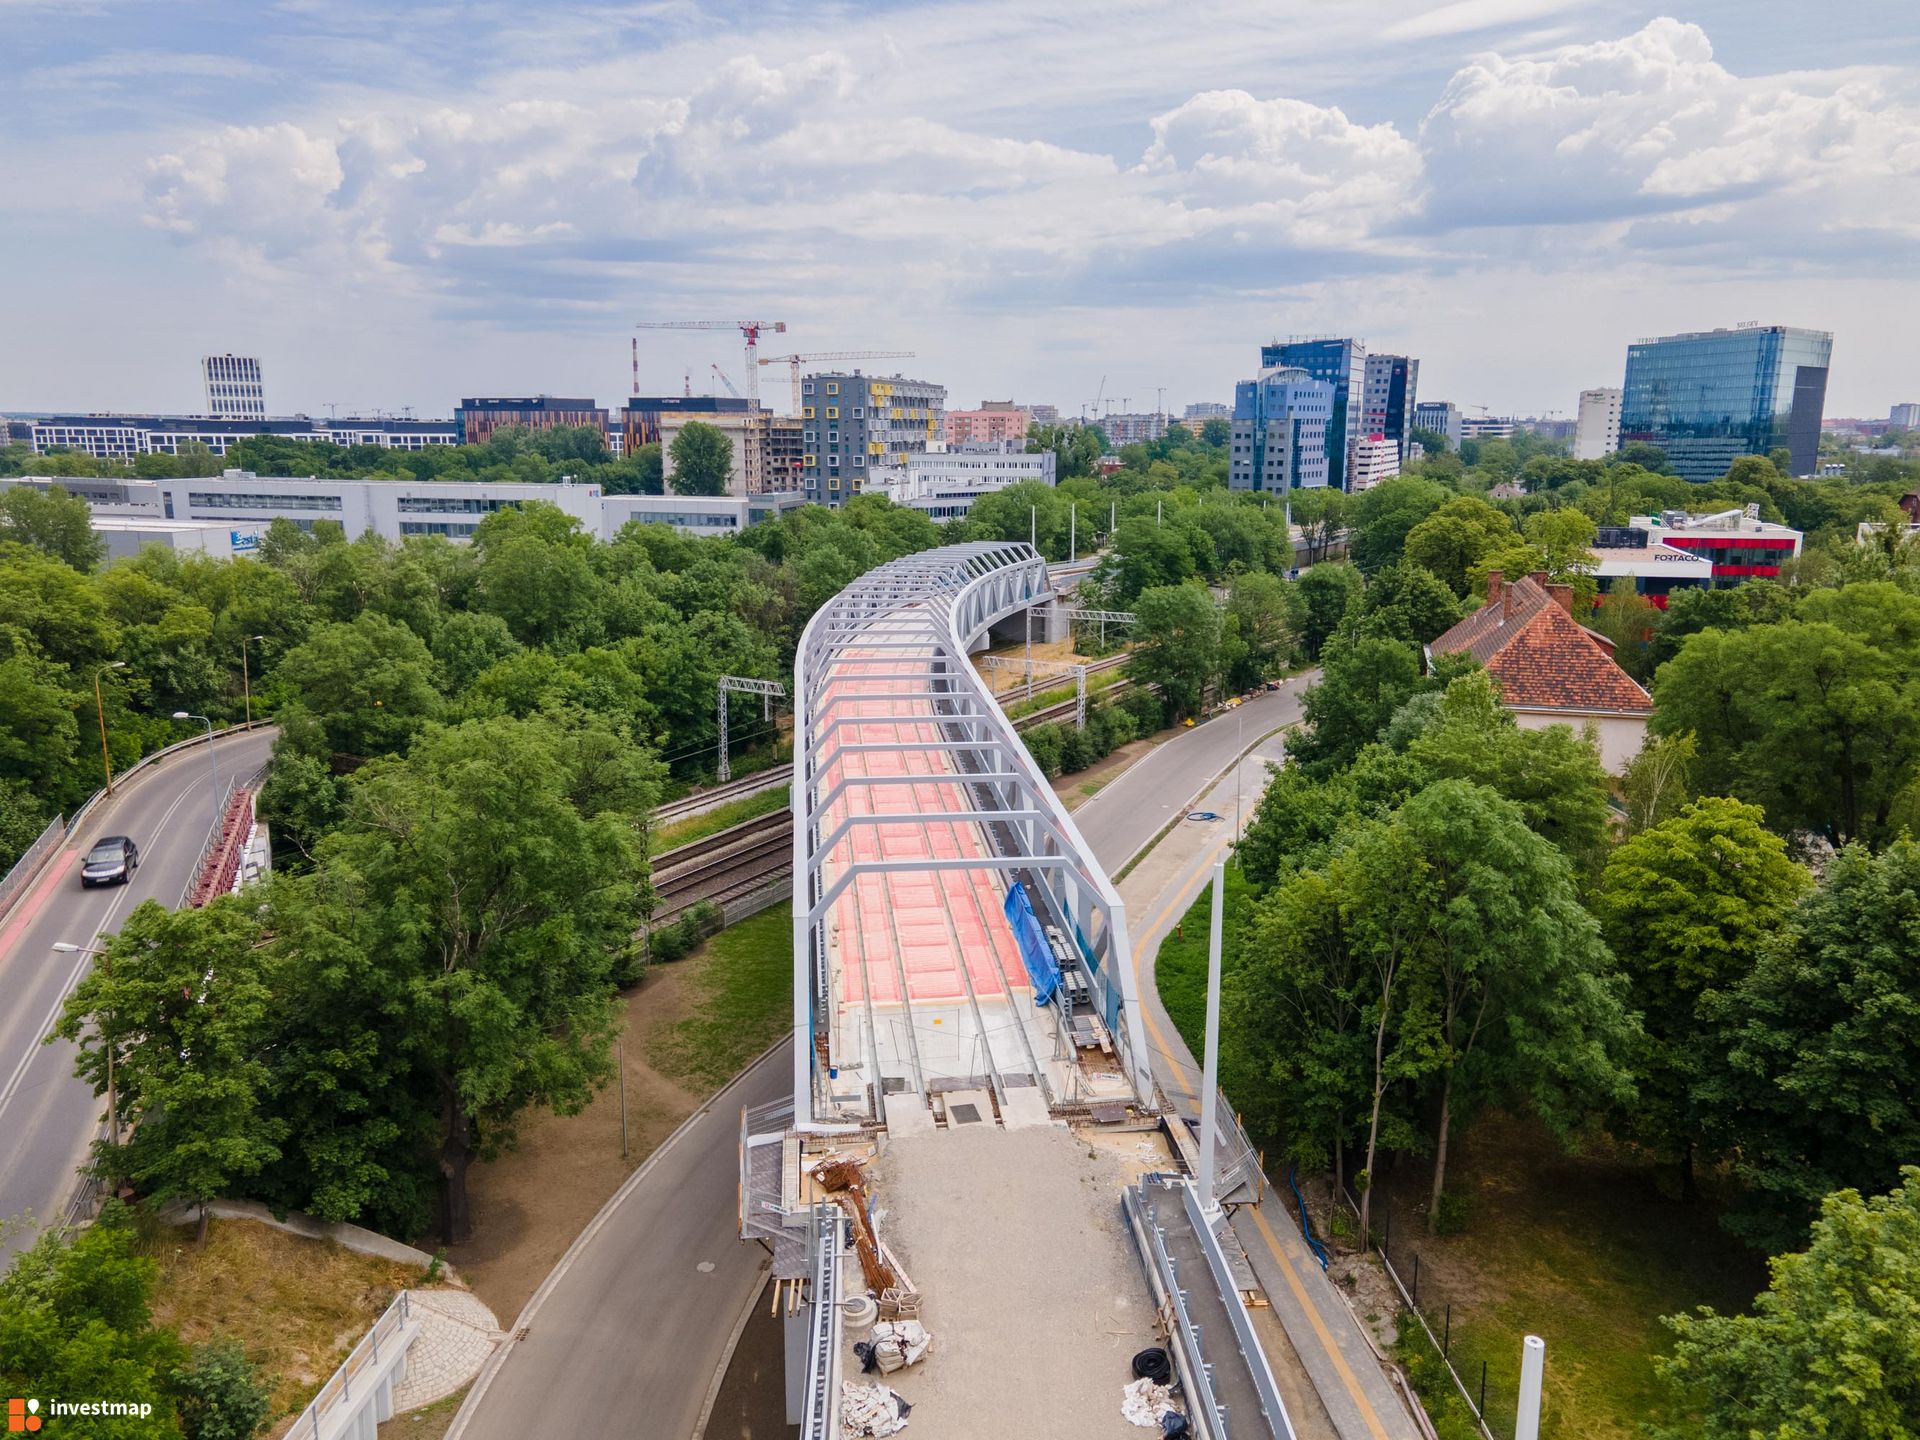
[221, 1397]
[676, 940]
[1046, 743]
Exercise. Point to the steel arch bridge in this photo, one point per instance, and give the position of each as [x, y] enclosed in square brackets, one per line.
[917, 810]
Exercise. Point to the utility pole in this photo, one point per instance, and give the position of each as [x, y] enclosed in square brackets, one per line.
[100, 708]
[1533, 1371]
[1208, 1089]
[246, 679]
[1073, 531]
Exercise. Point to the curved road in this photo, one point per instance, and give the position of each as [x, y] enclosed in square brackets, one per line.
[47, 1116]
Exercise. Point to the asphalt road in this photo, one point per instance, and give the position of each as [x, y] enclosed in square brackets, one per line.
[1128, 813]
[47, 1116]
[626, 1335]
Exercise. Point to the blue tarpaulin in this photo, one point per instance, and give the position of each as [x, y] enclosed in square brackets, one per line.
[1034, 949]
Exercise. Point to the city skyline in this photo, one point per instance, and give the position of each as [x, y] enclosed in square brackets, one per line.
[1512, 190]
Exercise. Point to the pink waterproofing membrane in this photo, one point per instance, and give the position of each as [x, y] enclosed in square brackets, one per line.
[931, 930]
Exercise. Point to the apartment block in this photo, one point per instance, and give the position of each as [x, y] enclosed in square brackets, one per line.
[852, 422]
[478, 418]
[994, 421]
[125, 438]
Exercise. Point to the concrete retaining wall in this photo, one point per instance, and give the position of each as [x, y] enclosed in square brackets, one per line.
[352, 1237]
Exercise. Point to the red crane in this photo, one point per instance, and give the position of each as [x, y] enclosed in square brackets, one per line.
[750, 329]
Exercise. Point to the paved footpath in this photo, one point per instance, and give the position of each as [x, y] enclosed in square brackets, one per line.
[457, 1334]
[1324, 1331]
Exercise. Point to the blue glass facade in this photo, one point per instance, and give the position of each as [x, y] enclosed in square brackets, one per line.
[1342, 364]
[1280, 424]
[1710, 397]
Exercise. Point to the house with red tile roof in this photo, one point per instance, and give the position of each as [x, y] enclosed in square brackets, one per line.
[1552, 670]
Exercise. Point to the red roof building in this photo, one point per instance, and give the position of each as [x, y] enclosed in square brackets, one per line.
[1552, 670]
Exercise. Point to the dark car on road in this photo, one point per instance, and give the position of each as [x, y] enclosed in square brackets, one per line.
[112, 861]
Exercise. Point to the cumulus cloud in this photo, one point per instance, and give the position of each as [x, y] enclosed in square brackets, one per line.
[815, 176]
[1652, 124]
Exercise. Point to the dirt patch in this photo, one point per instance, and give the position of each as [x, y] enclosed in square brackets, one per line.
[1076, 789]
[429, 1422]
[297, 1305]
[530, 1204]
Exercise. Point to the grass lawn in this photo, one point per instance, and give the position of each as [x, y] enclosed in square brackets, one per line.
[1180, 965]
[1584, 1251]
[745, 979]
[712, 822]
[297, 1305]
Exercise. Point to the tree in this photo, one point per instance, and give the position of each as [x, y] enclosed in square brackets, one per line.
[369, 684]
[1176, 644]
[1216, 432]
[1321, 514]
[1628, 620]
[1510, 989]
[1816, 1048]
[221, 1397]
[1361, 685]
[76, 1319]
[1657, 782]
[1326, 593]
[501, 907]
[1831, 1347]
[1408, 603]
[1457, 536]
[53, 521]
[180, 1002]
[702, 460]
[1262, 623]
[1639, 452]
[1383, 517]
[1687, 905]
[1816, 721]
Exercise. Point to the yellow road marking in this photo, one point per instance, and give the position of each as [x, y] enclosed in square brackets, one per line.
[1347, 1377]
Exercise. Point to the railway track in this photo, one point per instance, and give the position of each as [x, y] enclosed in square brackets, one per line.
[714, 796]
[724, 866]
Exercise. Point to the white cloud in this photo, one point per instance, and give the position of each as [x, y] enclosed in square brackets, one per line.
[1466, 16]
[1654, 124]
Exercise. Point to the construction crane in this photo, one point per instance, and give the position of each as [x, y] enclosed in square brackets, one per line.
[750, 330]
[796, 361]
[726, 380]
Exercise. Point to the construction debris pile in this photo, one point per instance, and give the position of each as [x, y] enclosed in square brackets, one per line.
[898, 1339]
[871, 1410]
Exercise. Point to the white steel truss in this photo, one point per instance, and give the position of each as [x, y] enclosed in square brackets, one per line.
[768, 690]
[911, 624]
[1032, 667]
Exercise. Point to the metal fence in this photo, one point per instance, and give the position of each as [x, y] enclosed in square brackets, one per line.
[28, 865]
[338, 1390]
[1403, 1269]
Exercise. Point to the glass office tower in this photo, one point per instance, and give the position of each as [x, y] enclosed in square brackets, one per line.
[1343, 365]
[1709, 397]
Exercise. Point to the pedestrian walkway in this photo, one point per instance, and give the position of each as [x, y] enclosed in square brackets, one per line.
[457, 1334]
[1327, 1335]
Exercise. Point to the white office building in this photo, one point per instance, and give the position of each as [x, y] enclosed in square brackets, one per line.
[1375, 458]
[125, 438]
[1904, 417]
[216, 539]
[1486, 427]
[943, 483]
[1441, 417]
[1596, 433]
[233, 385]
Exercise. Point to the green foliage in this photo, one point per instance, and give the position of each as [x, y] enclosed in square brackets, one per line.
[53, 521]
[702, 460]
[1688, 905]
[1426, 1372]
[1384, 516]
[1810, 1083]
[1404, 602]
[1327, 592]
[1177, 644]
[221, 1397]
[1262, 627]
[76, 1321]
[182, 1000]
[1817, 718]
[675, 941]
[1361, 684]
[1831, 1348]
[1463, 533]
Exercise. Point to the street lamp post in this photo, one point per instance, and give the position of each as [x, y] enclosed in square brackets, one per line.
[246, 680]
[100, 708]
[67, 947]
[213, 762]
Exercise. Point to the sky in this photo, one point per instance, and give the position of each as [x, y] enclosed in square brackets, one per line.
[397, 204]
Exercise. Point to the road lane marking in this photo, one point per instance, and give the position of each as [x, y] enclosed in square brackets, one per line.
[28, 908]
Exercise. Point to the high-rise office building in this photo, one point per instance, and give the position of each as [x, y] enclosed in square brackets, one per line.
[1388, 403]
[1441, 417]
[1596, 430]
[1904, 417]
[1708, 397]
[1280, 424]
[1341, 364]
[234, 388]
[851, 421]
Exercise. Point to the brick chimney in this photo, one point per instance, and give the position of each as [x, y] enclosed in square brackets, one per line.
[1494, 581]
[1539, 577]
[1562, 596]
